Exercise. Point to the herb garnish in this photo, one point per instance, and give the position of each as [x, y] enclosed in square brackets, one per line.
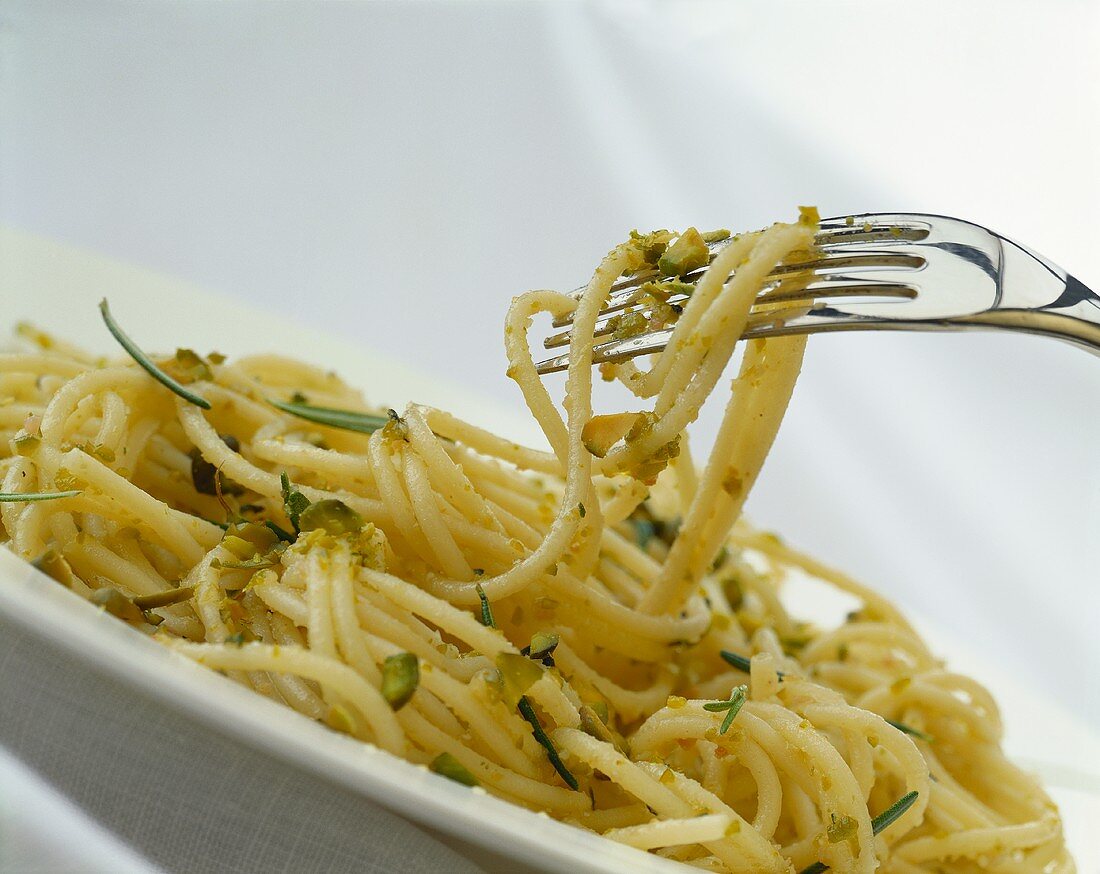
[486, 611]
[893, 813]
[525, 708]
[887, 818]
[17, 497]
[145, 362]
[528, 713]
[915, 732]
[742, 663]
[732, 707]
[347, 420]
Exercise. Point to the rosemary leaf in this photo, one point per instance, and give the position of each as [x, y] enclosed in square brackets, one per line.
[486, 611]
[915, 732]
[893, 813]
[18, 497]
[144, 361]
[737, 701]
[742, 663]
[888, 817]
[528, 713]
[347, 420]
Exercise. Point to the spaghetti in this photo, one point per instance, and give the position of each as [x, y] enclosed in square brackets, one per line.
[592, 631]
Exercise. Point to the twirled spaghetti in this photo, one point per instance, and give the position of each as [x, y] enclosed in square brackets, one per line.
[592, 631]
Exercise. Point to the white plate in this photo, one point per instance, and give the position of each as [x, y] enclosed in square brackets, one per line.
[58, 287]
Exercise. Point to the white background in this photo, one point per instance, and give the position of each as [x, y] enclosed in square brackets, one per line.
[394, 172]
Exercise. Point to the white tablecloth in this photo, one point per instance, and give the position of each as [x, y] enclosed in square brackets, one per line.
[367, 167]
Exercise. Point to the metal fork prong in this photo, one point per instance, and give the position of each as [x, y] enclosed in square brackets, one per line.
[827, 287]
[840, 230]
[791, 319]
[852, 256]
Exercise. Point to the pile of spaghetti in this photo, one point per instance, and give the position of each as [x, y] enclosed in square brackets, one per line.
[589, 631]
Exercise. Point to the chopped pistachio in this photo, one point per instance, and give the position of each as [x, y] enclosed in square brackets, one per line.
[448, 766]
[334, 516]
[644, 250]
[165, 598]
[600, 433]
[688, 253]
[400, 677]
[519, 675]
[395, 427]
[294, 502]
[543, 643]
[65, 480]
[25, 444]
[840, 829]
[117, 604]
[186, 366]
[246, 539]
[54, 565]
[339, 719]
[591, 724]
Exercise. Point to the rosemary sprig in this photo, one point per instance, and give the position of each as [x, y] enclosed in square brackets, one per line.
[915, 732]
[893, 813]
[742, 663]
[279, 532]
[525, 708]
[732, 707]
[888, 817]
[144, 361]
[486, 611]
[18, 497]
[528, 713]
[347, 420]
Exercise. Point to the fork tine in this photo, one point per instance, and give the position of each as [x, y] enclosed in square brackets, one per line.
[851, 256]
[805, 319]
[826, 287]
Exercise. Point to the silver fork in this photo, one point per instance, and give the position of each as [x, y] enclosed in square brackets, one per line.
[884, 271]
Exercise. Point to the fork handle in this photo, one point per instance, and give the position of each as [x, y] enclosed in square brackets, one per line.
[1081, 332]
